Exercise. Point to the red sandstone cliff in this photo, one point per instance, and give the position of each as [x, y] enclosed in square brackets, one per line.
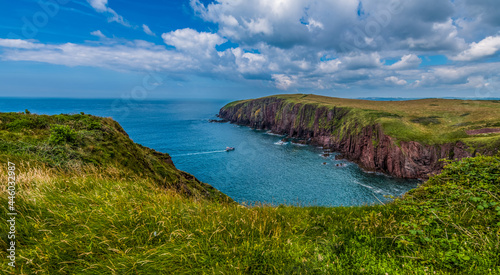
[368, 146]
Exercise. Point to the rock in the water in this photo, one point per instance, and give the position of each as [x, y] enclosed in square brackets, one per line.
[218, 120]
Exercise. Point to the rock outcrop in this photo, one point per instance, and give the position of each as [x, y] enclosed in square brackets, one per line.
[336, 128]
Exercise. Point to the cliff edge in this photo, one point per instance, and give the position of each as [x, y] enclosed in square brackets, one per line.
[405, 139]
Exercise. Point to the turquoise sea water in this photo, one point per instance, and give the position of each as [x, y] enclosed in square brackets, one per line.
[261, 169]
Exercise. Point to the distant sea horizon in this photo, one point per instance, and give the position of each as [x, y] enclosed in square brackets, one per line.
[236, 99]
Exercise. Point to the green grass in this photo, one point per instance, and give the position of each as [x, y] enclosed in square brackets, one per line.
[428, 121]
[76, 217]
[73, 141]
[105, 222]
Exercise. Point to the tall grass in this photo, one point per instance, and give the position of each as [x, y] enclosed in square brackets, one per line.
[93, 220]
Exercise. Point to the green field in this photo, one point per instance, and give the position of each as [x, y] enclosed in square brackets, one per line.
[109, 212]
[428, 121]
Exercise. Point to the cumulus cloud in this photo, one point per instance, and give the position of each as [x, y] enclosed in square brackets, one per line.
[283, 81]
[189, 40]
[101, 6]
[304, 44]
[484, 48]
[396, 81]
[409, 61]
[147, 30]
[280, 23]
[329, 66]
[249, 63]
[361, 61]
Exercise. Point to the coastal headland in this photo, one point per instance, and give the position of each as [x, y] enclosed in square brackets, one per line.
[405, 139]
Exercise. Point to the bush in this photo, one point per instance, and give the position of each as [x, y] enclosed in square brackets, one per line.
[60, 134]
[26, 122]
[20, 124]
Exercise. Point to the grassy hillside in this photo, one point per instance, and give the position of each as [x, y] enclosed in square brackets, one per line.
[76, 217]
[71, 142]
[429, 121]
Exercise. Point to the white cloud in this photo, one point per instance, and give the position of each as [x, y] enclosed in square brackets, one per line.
[314, 25]
[189, 40]
[249, 63]
[484, 48]
[138, 55]
[147, 30]
[409, 61]
[283, 81]
[18, 44]
[280, 23]
[101, 6]
[395, 80]
[259, 26]
[98, 33]
[360, 61]
[330, 66]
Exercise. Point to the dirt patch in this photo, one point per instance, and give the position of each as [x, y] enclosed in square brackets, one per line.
[483, 131]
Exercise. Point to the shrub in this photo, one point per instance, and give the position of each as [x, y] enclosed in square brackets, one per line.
[60, 134]
[19, 124]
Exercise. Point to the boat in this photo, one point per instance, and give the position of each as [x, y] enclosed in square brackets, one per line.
[229, 149]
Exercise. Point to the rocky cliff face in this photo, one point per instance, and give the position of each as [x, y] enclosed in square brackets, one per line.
[336, 128]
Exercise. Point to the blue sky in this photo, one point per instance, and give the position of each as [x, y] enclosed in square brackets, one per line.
[243, 49]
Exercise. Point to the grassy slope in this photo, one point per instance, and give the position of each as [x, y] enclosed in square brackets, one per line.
[74, 141]
[112, 220]
[429, 121]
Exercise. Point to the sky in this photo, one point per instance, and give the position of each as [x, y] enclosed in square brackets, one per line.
[232, 49]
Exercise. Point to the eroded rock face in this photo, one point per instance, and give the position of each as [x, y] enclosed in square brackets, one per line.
[368, 146]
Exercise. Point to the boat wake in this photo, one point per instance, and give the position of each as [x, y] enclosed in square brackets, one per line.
[199, 153]
[373, 189]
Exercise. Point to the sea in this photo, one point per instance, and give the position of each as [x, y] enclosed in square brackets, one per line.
[261, 170]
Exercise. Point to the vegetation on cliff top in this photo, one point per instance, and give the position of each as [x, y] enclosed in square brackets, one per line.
[76, 217]
[428, 121]
[73, 141]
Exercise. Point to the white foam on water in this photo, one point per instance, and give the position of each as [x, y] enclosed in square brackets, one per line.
[299, 144]
[273, 134]
[281, 142]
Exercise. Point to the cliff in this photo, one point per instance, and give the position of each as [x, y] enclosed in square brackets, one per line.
[379, 136]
